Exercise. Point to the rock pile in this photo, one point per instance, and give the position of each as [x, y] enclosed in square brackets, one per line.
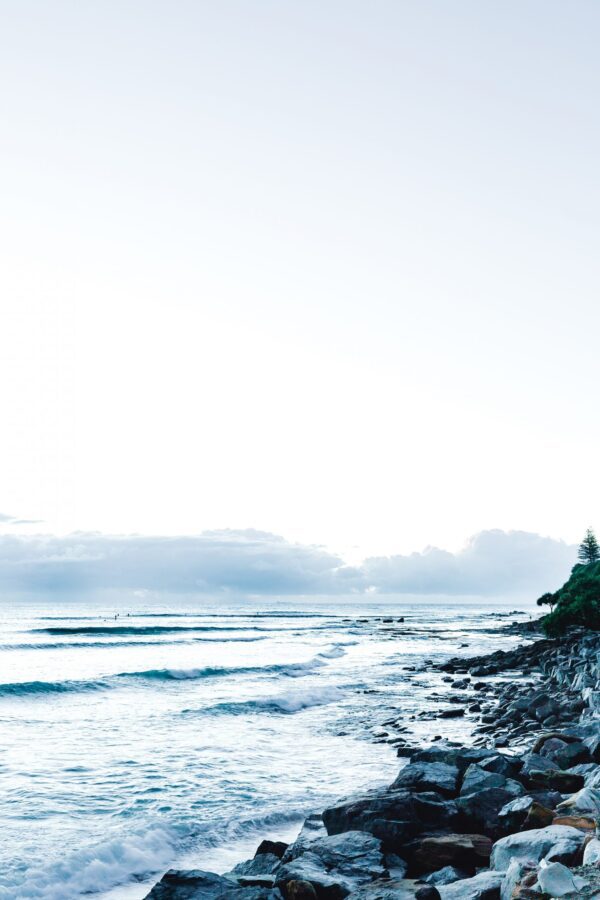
[459, 823]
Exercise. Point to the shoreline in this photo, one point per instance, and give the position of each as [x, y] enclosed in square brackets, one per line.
[474, 821]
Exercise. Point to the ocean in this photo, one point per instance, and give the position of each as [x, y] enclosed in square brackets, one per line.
[139, 735]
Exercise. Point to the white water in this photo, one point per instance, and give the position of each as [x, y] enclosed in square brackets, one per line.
[182, 733]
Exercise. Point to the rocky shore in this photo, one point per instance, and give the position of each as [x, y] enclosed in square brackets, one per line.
[511, 816]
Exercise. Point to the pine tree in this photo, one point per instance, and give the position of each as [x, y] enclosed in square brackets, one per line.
[589, 549]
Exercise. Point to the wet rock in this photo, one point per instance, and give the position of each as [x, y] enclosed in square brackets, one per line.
[556, 843]
[435, 776]
[388, 890]
[447, 875]
[465, 851]
[567, 754]
[194, 884]
[389, 815]
[336, 865]
[461, 757]
[312, 829]
[263, 864]
[482, 796]
[524, 814]
[556, 780]
[277, 848]
[485, 886]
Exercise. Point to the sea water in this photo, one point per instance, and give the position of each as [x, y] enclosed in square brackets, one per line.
[140, 735]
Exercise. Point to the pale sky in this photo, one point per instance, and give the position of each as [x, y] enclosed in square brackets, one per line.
[323, 268]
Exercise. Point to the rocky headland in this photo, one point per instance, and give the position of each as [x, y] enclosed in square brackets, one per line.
[512, 815]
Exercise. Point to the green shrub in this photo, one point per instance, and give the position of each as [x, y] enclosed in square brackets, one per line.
[577, 602]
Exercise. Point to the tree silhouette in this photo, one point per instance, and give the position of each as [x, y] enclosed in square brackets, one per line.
[589, 549]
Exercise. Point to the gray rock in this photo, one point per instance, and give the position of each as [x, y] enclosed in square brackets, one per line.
[312, 829]
[485, 886]
[514, 878]
[422, 777]
[591, 853]
[482, 796]
[556, 843]
[336, 865]
[447, 875]
[585, 802]
[461, 757]
[388, 890]
[393, 816]
[436, 776]
[524, 813]
[263, 864]
[198, 885]
[567, 754]
[556, 880]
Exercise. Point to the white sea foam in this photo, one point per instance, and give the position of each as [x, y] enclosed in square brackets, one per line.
[97, 868]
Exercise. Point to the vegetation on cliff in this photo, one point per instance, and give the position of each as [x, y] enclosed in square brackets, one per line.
[577, 602]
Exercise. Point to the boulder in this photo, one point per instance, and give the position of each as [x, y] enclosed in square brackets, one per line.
[393, 816]
[447, 875]
[557, 881]
[565, 754]
[383, 890]
[422, 776]
[461, 757]
[585, 802]
[555, 780]
[518, 878]
[312, 829]
[194, 884]
[485, 886]
[263, 864]
[523, 814]
[300, 890]
[335, 865]
[465, 851]
[483, 795]
[277, 848]
[556, 843]
[591, 853]
[502, 765]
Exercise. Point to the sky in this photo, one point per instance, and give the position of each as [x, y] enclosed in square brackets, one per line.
[324, 270]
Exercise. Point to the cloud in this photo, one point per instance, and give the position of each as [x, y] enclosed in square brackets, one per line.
[493, 562]
[257, 562]
[13, 520]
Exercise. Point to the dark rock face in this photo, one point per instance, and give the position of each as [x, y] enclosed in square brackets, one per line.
[555, 780]
[277, 848]
[394, 816]
[336, 865]
[523, 814]
[483, 795]
[262, 864]
[429, 776]
[465, 851]
[198, 885]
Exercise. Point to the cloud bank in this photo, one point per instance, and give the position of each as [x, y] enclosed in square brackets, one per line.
[255, 562]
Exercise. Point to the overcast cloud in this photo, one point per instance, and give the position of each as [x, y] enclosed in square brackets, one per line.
[256, 562]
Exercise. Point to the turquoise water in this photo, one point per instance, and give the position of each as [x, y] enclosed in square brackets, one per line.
[140, 736]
